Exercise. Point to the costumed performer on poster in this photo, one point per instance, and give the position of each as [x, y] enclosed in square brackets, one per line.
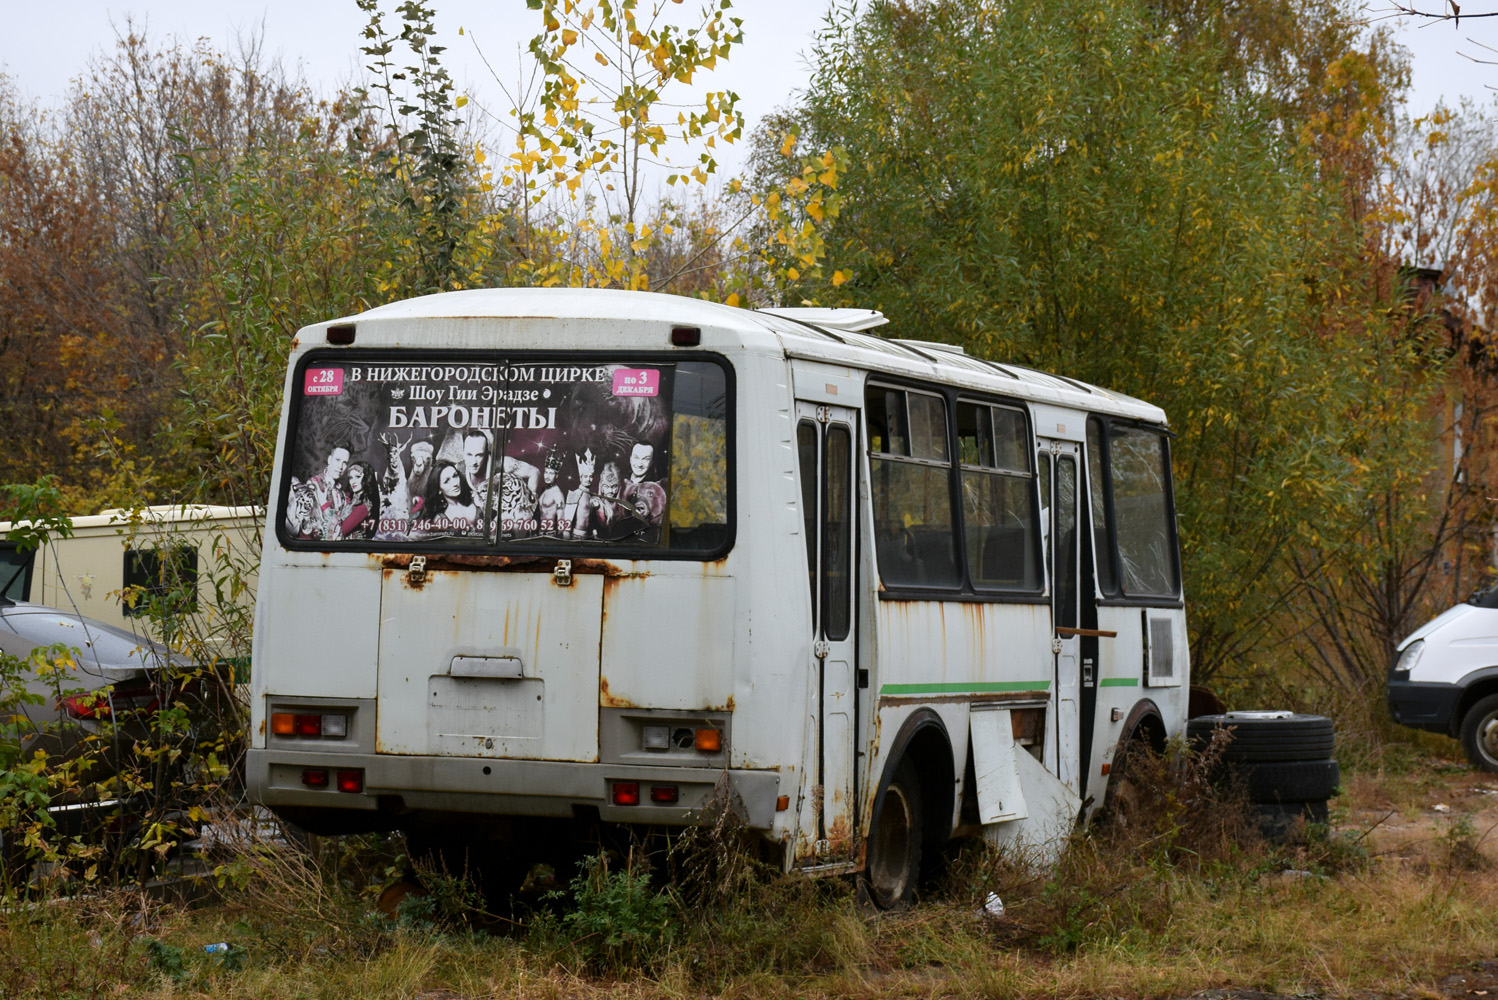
[316, 508]
[447, 507]
[364, 494]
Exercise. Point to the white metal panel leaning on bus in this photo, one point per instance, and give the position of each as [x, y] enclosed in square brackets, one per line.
[540, 561]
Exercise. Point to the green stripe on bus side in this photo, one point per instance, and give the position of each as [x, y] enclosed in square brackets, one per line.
[970, 687]
[1118, 682]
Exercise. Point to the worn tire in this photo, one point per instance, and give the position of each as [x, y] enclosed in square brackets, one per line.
[1282, 823]
[1266, 739]
[1480, 733]
[892, 866]
[1291, 781]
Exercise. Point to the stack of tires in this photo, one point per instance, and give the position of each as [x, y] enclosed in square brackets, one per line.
[1283, 760]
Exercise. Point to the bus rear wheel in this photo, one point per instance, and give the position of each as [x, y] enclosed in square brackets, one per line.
[893, 863]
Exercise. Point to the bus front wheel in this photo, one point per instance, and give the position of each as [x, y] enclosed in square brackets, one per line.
[892, 865]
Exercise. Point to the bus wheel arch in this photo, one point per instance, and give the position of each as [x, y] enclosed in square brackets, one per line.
[1147, 723]
[1143, 732]
[911, 818]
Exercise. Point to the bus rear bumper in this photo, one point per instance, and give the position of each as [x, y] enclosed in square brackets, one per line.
[403, 788]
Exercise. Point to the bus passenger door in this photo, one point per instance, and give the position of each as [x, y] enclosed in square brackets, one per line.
[825, 439]
[1065, 572]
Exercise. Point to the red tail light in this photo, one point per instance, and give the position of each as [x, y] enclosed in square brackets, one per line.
[626, 793]
[315, 778]
[351, 781]
[101, 705]
[663, 793]
[308, 725]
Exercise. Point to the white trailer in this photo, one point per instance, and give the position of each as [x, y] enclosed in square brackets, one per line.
[128, 567]
[537, 559]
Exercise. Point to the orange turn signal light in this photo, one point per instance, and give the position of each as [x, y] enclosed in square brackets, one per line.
[709, 740]
[283, 724]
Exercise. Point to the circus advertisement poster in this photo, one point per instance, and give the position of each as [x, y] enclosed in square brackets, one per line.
[473, 453]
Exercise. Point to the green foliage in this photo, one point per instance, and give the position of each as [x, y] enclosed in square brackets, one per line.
[138, 777]
[166, 959]
[614, 919]
[36, 512]
[423, 162]
[279, 238]
[1105, 194]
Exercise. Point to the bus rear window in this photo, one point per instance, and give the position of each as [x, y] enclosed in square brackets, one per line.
[478, 452]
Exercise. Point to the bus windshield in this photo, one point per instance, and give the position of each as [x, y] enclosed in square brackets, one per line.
[477, 451]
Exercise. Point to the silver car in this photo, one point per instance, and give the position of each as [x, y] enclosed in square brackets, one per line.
[99, 701]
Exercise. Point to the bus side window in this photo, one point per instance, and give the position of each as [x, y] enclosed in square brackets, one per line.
[1000, 528]
[1102, 545]
[15, 571]
[910, 479]
[1133, 522]
[1141, 512]
[806, 450]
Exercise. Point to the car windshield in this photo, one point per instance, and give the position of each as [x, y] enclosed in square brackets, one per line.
[1485, 598]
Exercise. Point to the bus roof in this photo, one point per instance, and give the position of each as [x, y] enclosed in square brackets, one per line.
[835, 336]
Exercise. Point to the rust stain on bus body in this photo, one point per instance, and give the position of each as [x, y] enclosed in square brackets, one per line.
[840, 833]
[502, 564]
[613, 585]
[608, 700]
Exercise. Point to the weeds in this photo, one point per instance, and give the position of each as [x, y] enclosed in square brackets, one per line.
[166, 960]
[1460, 846]
[1110, 920]
[611, 920]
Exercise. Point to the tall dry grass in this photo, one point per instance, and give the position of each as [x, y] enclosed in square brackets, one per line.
[1177, 901]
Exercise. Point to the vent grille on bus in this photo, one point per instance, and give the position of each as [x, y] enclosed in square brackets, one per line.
[1162, 650]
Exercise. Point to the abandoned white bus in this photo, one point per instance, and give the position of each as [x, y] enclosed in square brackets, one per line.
[539, 561]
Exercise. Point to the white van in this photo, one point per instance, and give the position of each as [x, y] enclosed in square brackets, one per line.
[1445, 678]
[538, 561]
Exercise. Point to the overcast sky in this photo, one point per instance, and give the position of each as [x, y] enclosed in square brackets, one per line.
[46, 43]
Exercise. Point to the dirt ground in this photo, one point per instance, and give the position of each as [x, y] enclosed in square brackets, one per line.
[1417, 819]
[1413, 817]
[1405, 817]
